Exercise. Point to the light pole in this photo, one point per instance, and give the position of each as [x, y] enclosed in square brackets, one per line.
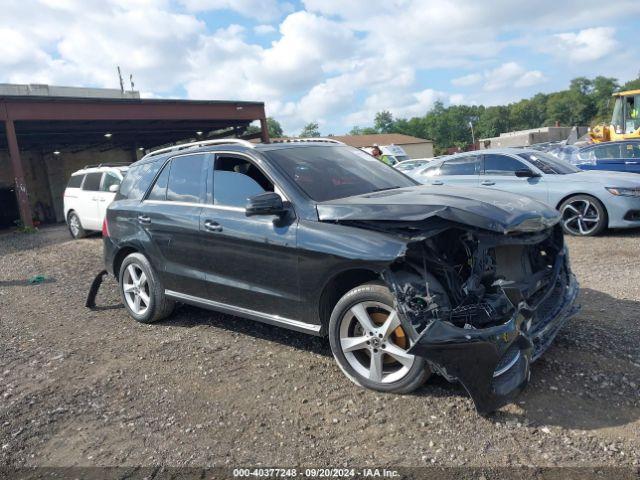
[473, 136]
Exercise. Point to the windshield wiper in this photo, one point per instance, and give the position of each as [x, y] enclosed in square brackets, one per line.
[385, 188]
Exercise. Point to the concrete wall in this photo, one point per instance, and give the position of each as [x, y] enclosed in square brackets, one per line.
[419, 150]
[46, 176]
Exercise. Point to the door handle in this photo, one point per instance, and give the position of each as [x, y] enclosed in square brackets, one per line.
[437, 182]
[144, 219]
[487, 182]
[211, 226]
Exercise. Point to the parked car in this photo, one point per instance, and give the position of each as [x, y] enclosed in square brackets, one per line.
[87, 196]
[407, 165]
[623, 156]
[322, 238]
[588, 201]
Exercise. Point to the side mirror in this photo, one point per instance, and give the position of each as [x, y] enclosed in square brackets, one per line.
[526, 173]
[114, 188]
[268, 203]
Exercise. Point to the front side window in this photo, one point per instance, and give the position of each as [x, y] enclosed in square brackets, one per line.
[326, 173]
[549, 164]
[631, 150]
[186, 179]
[501, 165]
[92, 182]
[109, 180]
[235, 179]
[460, 166]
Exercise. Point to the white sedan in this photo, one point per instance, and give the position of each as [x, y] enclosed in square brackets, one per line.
[589, 201]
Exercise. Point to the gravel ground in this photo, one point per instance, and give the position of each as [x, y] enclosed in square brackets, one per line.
[203, 389]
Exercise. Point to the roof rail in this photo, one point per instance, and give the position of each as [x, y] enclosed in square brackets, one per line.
[108, 164]
[202, 143]
[311, 139]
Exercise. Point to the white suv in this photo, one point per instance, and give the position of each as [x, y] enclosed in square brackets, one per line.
[87, 196]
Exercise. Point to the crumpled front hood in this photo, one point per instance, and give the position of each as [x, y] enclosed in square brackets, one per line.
[482, 208]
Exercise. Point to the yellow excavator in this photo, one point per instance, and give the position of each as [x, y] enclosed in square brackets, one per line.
[625, 121]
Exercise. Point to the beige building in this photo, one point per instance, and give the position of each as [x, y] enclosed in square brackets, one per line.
[524, 138]
[413, 146]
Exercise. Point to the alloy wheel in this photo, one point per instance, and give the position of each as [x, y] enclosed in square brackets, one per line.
[374, 343]
[580, 217]
[136, 289]
[74, 225]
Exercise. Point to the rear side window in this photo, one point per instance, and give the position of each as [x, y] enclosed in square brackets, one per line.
[159, 190]
[460, 166]
[501, 165]
[75, 181]
[186, 179]
[92, 182]
[137, 180]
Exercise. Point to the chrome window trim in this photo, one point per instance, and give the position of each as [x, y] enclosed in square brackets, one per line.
[275, 319]
[194, 204]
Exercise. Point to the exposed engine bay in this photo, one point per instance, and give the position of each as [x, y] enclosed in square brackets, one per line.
[480, 306]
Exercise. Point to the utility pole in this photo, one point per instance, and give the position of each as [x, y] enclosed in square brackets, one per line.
[121, 81]
[473, 136]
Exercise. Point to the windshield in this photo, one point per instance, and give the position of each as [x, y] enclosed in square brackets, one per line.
[326, 173]
[549, 164]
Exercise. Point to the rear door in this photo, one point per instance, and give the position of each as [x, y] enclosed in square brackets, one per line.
[459, 171]
[499, 172]
[105, 195]
[88, 199]
[170, 215]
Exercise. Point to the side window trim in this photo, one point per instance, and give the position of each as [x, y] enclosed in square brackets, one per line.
[504, 173]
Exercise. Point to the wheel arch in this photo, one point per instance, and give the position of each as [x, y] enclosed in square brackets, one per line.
[577, 194]
[119, 257]
[335, 288]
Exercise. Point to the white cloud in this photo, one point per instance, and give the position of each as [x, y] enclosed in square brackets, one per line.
[509, 75]
[264, 29]
[264, 10]
[586, 45]
[466, 80]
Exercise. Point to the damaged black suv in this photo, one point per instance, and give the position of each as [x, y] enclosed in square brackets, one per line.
[319, 237]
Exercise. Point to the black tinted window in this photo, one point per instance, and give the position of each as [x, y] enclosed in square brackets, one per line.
[75, 181]
[232, 189]
[326, 173]
[92, 182]
[460, 166]
[109, 180]
[159, 190]
[501, 165]
[185, 179]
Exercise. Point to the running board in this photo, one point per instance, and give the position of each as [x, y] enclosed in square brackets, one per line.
[245, 312]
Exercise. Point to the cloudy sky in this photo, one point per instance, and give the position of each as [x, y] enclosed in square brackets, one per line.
[335, 62]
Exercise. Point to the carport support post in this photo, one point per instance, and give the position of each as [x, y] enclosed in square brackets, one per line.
[18, 173]
[264, 130]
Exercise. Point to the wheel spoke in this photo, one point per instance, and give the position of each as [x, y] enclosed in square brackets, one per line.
[136, 303]
[581, 227]
[587, 206]
[572, 208]
[375, 368]
[133, 274]
[353, 343]
[399, 354]
[363, 317]
[570, 219]
[128, 287]
[145, 298]
[143, 280]
[591, 219]
[390, 325]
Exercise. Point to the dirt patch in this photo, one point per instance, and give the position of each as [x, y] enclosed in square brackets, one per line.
[203, 389]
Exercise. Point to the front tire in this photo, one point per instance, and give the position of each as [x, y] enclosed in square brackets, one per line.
[75, 226]
[369, 344]
[583, 216]
[141, 290]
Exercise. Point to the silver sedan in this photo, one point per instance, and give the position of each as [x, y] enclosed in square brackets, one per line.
[589, 201]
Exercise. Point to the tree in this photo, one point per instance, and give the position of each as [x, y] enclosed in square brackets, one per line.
[311, 129]
[274, 127]
[383, 122]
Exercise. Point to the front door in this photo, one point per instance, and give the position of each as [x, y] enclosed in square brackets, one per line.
[250, 262]
[499, 172]
[459, 171]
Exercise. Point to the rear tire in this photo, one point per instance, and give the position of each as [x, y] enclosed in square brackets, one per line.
[373, 356]
[75, 226]
[141, 290]
[583, 216]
